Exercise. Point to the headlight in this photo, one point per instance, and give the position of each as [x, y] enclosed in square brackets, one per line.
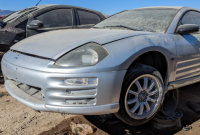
[86, 55]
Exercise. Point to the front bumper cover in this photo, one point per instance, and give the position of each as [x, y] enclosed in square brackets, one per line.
[39, 105]
[54, 90]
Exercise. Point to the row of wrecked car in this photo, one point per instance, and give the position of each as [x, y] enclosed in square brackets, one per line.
[125, 64]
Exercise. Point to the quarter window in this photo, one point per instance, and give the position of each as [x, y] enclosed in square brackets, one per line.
[191, 17]
[56, 18]
[88, 17]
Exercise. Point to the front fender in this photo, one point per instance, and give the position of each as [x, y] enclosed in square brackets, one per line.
[122, 53]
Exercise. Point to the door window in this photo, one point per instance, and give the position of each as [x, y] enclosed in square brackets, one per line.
[56, 18]
[191, 17]
[88, 17]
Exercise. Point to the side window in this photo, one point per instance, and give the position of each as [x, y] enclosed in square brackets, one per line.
[22, 25]
[56, 18]
[88, 17]
[191, 17]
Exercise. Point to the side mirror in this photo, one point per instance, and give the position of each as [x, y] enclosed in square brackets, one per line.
[188, 28]
[36, 24]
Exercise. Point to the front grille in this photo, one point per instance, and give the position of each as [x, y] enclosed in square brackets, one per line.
[81, 92]
[30, 90]
[85, 97]
[91, 101]
[72, 97]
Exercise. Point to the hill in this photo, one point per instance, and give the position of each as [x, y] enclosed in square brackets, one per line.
[5, 12]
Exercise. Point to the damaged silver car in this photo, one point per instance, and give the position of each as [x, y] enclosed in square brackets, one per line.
[124, 65]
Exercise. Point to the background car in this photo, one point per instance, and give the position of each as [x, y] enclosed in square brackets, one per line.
[125, 65]
[43, 18]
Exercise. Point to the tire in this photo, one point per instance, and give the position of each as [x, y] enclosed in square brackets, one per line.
[132, 101]
[1, 74]
[170, 102]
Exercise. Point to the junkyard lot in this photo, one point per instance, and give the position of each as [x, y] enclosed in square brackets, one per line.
[17, 119]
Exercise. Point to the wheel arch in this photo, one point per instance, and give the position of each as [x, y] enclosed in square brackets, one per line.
[167, 55]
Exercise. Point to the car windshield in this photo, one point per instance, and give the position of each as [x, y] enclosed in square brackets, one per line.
[19, 14]
[152, 20]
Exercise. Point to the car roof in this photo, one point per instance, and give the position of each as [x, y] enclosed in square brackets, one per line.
[41, 8]
[57, 5]
[161, 7]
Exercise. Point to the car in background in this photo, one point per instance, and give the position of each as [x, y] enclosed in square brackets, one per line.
[1, 17]
[43, 18]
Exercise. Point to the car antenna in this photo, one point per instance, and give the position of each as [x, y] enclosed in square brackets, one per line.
[38, 3]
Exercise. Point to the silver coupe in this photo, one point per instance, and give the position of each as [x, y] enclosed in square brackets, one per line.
[123, 65]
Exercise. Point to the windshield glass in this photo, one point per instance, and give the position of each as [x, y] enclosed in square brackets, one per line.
[19, 14]
[152, 20]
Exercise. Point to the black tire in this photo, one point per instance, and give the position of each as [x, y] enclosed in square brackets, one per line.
[135, 72]
[1, 74]
[170, 102]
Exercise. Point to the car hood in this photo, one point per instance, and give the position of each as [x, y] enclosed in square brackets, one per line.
[56, 43]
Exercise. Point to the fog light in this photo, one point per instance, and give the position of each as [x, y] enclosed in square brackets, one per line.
[81, 81]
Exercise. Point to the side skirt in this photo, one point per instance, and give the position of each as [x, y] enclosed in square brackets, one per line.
[184, 82]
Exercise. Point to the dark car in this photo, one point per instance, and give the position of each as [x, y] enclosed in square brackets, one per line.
[43, 18]
[38, 19]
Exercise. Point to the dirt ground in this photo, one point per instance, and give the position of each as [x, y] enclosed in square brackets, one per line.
[17, 119]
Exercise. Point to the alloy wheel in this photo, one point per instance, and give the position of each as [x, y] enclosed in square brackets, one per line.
[143, 96]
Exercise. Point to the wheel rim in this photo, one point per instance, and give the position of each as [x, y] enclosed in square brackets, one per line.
[143, 97]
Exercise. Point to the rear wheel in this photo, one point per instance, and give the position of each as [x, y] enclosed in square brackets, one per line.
[141, 96]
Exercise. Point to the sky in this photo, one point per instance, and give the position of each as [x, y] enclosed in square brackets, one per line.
[108, 7]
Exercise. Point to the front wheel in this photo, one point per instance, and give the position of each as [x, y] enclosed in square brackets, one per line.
[142, 95]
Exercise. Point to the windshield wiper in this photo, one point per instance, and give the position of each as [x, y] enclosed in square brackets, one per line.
[124, 27]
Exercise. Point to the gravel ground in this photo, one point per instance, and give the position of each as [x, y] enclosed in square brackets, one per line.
[17, 119]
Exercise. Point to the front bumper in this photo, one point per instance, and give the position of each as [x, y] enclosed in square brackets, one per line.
[102, 98]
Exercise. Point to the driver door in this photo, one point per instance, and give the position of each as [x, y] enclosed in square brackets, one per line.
[52, 20]
[188, 50]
